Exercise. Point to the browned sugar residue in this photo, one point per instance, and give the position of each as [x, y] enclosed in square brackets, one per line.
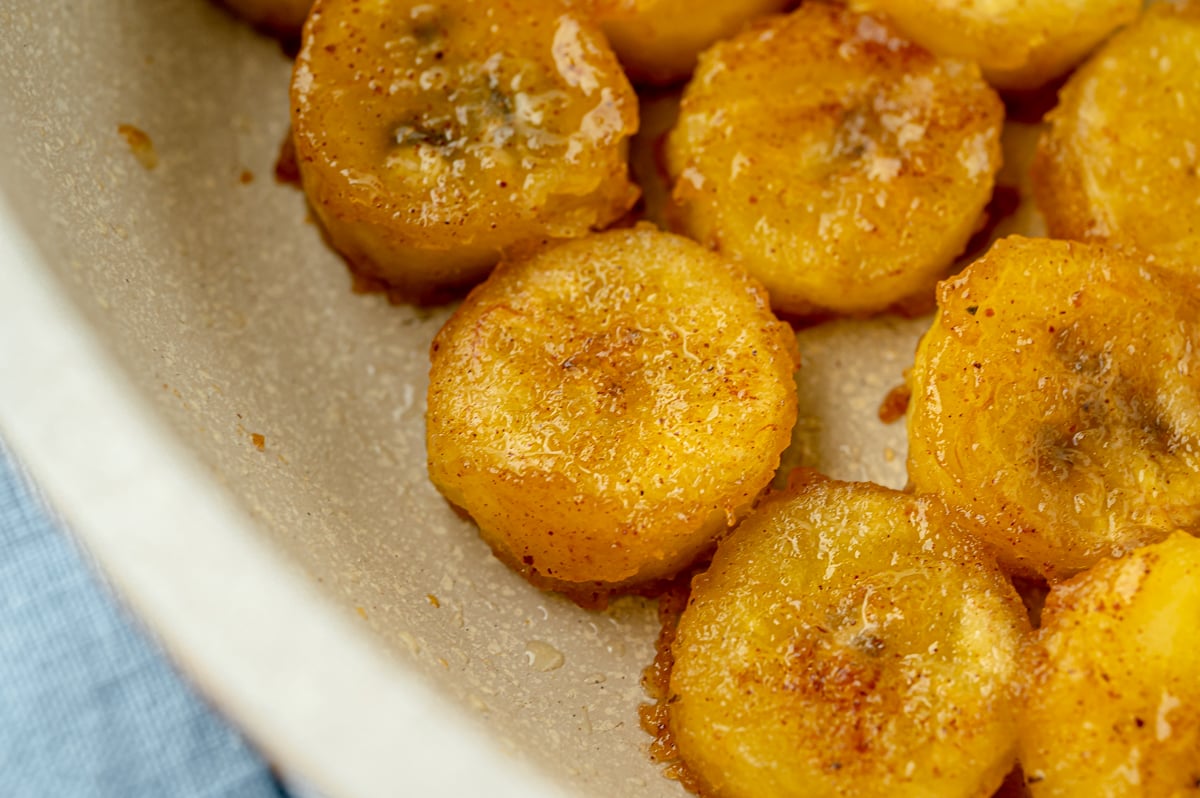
[139, 144]
[895, 404]
[246, 177]
[286, 169]
[656, 681]
[258, 440]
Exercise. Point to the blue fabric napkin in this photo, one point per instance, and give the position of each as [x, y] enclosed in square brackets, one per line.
[89, 706]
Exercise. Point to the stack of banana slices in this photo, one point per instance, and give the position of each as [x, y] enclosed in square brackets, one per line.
[612, 399]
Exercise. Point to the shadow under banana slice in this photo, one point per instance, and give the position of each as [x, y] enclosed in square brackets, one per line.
[847, 639]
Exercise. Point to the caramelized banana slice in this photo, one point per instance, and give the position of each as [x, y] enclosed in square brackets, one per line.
[1121, 157]
[1019, 44]
[1057, 397]
[1113, 705]
[658, 40]
[431, 136]
[282, 17]
[604, 409]
[846, 168]
[847, 640]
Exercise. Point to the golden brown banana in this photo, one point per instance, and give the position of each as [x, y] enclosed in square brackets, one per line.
[658, 40]
[848, 640]
[1113, 697]
[1121, 157]
[1057, 398]
[433, 136]
[605, 408]
[843, 166]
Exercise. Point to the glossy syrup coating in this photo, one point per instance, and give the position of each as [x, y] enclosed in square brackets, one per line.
[1057, 398]
[282, 17]
[1113, 694]
[431, 136]
[658, 41]
[848, 640]
[1019, 44]
[1120, 159]
[606, 407]
[844, 167]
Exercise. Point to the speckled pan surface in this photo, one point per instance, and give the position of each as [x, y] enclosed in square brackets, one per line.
[214, 298]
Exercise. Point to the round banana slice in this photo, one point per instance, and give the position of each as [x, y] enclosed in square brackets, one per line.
[605, 408]
[847, 640]
[1120, 159]
[1019, 44]
[432, 136]
[844, 167]
[282, 17]
[658, 40]
[1113, 694]
[1057, 398]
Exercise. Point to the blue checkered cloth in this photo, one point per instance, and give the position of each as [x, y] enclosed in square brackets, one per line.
[88, 704]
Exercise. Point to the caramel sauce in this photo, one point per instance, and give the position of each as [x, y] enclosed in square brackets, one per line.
[656, 681]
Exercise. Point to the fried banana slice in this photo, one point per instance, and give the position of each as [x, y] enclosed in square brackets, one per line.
[844, 167]
[281, 17]
[1120, 159]
[605, 408]
[1113, 700]
[658, 40]
[1019, 44]
[848, 639]
[431, 136]
[1057, 398]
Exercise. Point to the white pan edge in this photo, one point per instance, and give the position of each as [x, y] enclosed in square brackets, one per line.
[313, 693]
